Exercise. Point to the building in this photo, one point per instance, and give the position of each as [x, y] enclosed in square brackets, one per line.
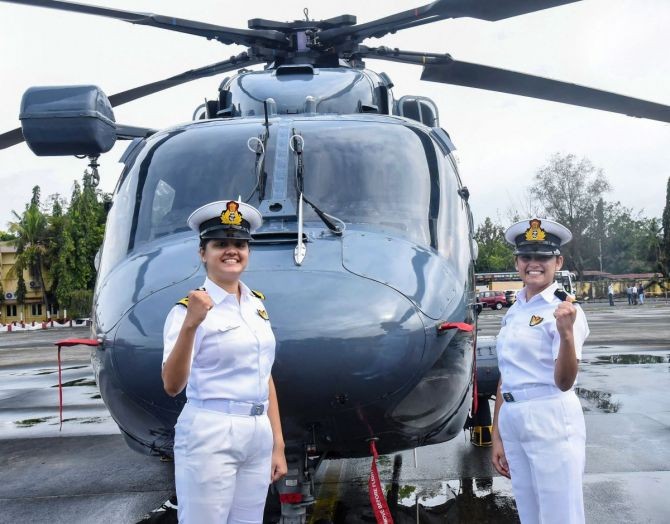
[34, 309]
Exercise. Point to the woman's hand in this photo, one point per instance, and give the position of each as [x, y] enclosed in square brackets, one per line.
[565, 315]
[199, 304]
[279, 466]
[498, 457]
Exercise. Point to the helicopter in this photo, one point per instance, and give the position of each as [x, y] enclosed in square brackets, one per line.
[366, 253]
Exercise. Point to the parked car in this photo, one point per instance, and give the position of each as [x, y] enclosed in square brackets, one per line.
[493, 299]
[510, 296]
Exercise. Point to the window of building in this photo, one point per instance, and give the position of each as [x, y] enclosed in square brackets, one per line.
[37, 310]
[11, 310]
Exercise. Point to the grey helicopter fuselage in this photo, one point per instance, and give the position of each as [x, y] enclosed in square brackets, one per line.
[359, 353]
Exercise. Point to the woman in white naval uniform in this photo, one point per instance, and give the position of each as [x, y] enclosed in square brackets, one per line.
[218, 343]
[538, 425]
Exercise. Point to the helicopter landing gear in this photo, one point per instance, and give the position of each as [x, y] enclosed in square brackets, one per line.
[296, 489]
[480, 424]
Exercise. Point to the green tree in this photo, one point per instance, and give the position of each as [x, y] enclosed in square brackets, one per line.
[569, 190]
[30, 229]
[82, 235]
[665, 226]
[495, 254]
[21, 292]
[53, 246]
[4, 236]
[81, 302]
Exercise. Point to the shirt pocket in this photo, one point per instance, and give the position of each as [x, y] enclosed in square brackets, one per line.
[217, 345]
[532, 338]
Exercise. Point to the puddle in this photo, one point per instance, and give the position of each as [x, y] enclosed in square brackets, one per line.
[468, 500]
[30, 422]
[81, 420]
[631, 359]
[78, 382]
[602, 400]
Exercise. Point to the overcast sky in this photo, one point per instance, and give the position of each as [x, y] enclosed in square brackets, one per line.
[616, 45]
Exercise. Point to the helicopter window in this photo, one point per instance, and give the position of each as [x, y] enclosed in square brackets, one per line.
[373, 173]
[176, 173]
[163, 200]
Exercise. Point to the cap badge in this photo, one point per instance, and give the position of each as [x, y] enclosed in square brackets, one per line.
[535, 320]
[231, 215]
[535, 232]
[263, 314]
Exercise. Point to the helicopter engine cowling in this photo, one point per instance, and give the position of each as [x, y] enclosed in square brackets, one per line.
[304, 89]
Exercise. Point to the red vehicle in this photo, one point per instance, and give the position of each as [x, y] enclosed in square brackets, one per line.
[493, 299]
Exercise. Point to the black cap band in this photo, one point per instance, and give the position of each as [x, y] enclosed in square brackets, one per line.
[213, 228]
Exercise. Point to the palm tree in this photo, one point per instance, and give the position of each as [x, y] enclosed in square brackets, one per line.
[30, 230]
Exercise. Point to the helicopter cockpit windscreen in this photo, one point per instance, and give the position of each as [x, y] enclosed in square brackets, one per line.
[173, 175]
[191, 168]
[371, 174]
[380, 174]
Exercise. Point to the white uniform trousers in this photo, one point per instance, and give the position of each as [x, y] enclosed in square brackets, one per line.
[222, 466]
[544, 442]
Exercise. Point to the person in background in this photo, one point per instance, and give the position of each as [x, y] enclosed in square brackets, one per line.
[610, 293]
[640, 293]
[538, 426]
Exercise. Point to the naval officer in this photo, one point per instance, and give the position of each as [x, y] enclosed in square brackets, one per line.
[538, 426]
[218, 344]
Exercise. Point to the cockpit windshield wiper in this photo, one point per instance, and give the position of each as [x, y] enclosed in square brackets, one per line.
[297, 146]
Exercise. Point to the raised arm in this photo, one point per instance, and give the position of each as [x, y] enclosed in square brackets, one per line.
[178, 364]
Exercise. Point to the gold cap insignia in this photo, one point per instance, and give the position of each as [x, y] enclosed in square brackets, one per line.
[535, 320]
[263, 314]
[535, 232]
[231, 215]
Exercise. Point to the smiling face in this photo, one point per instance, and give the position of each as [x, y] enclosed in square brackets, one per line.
[225, 259]
[537, 271]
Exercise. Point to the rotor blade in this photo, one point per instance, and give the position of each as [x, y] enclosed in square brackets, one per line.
[491, 10]
[11, 138]
[494, 79]
[234, 62]
[15, 136]
[224, 35]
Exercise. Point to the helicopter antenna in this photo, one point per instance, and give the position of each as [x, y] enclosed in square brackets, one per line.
[267, 123]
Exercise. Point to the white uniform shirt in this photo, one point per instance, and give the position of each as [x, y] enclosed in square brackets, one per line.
[234, 347]
[528, 341]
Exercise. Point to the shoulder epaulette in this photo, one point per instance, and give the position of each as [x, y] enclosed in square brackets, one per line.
[258, 294]
[562, 295]
[183, 302]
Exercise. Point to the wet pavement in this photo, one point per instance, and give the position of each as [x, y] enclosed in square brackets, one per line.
[623, 386]
[86, 473]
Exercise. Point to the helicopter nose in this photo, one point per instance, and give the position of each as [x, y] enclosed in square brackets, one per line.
[342, 340]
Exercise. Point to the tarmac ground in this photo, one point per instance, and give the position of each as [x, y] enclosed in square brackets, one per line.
[86, 473]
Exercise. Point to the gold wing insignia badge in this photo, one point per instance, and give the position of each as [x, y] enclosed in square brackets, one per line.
[231, 215]
[535, 320]
[263, 314]
[535, 232]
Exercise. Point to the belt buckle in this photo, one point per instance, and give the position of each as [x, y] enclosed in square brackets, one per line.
[508, 397]
[257, 409]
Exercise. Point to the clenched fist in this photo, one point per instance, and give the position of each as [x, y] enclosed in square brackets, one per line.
[565, 315]
[199, 304]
